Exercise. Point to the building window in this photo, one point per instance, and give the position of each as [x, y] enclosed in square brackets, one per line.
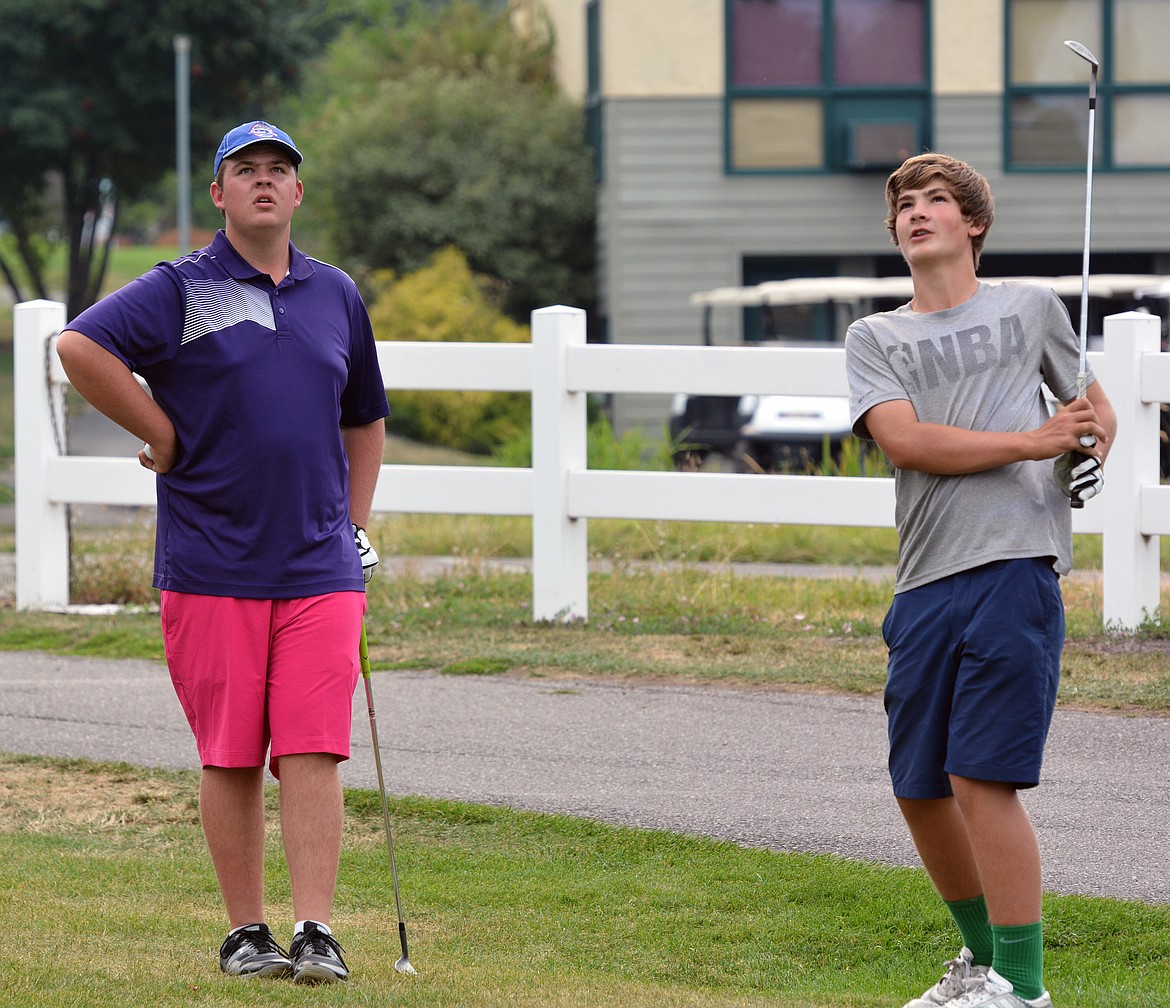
[1046, 91]
[790, 323]
[826, 85]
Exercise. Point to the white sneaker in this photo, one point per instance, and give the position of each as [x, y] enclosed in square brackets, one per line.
[960, 976]
[996, 992]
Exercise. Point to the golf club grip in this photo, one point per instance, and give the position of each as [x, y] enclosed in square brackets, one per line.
[1087, 441]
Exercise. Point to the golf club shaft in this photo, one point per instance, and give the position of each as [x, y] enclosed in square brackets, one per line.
[364, 655]
[1084, 333]
[1087, 440]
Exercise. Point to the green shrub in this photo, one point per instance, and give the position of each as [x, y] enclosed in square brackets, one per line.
[633, 450]
[856, 458]
[445, 302]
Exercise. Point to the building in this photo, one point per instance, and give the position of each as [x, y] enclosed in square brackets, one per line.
[746, 140]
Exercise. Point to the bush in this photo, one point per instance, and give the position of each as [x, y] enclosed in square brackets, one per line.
[634, 450]
[445, 302]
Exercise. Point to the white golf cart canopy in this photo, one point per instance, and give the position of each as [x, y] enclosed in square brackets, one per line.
[852, 289]
[853, 296]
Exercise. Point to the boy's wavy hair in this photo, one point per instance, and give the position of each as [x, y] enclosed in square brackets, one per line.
[968, 186]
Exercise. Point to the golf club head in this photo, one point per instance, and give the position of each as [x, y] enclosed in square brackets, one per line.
[1083, 53]
[403, 966]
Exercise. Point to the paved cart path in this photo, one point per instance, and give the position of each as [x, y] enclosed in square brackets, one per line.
[786, 771]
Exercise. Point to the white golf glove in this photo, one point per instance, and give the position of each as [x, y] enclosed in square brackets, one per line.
[367, 552]
[1079, 475]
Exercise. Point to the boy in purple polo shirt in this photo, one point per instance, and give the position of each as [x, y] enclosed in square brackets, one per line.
[265, 426]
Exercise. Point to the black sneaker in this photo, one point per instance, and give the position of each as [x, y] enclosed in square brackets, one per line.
[252, 951]
[316, 956]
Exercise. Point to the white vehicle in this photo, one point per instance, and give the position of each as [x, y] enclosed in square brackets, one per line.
[767, 433]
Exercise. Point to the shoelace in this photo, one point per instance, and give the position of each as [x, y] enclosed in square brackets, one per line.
[257, 942]
[319, 943]
[955, 980]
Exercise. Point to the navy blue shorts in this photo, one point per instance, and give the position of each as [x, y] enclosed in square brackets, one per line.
[974, 665]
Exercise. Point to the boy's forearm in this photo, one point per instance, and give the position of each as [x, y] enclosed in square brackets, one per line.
[363, 448]
[1106, 415]
[955, 451]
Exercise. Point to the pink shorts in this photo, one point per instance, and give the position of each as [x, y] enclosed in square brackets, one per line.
[255, 674]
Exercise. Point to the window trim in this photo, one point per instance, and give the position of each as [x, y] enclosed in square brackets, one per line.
[835, 100]
[1107, 92]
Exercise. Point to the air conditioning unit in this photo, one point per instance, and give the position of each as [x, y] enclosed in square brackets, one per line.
[881, 145]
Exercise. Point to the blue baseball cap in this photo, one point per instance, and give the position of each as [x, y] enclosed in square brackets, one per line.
[249, 133]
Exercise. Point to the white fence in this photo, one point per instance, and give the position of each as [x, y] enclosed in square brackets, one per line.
[560, 493]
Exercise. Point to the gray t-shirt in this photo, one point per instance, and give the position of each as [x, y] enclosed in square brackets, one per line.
[978, 366]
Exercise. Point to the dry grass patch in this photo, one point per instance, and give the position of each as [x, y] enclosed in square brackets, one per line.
[74, 798]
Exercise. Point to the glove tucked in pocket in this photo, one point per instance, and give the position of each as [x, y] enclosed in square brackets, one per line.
[365, 551]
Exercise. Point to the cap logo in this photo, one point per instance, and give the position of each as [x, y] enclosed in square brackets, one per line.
[249, 133]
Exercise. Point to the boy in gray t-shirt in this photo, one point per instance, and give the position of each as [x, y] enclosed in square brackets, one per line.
[949, 386]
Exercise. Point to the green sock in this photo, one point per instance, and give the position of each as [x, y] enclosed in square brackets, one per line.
[1019, 957]
[971, 916]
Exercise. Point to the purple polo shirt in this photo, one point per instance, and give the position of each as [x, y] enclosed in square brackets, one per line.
[258, 381]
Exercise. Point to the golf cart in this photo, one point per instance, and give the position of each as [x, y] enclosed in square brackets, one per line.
[770, 433]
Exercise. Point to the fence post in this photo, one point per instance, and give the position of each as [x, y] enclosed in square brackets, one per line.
[560, 583]
[1130, 564]
[42, 527]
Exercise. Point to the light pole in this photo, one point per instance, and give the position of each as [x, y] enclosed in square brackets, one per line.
[183, 139]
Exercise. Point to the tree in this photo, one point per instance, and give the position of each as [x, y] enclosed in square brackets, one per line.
[444, 301]
[451, 131]
[87, 109]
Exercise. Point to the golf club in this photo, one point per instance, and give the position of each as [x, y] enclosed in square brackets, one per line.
[1084, 54]
[1087, 440]
[403, 964]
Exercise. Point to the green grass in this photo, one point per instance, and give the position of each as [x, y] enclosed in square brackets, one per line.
[130, 261]
[7, 395]
[106, 877]
[107, 880]
[687, 622]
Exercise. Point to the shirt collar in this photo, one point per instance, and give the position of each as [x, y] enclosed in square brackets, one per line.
[299, 267]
